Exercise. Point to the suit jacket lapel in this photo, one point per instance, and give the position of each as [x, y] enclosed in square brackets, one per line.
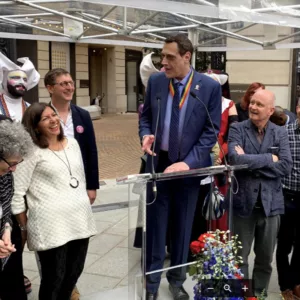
[191, 101]
[76, 121]
[250, 131]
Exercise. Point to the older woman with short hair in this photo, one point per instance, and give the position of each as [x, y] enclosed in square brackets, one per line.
[15, 145]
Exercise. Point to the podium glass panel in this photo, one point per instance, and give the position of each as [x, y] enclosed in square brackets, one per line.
[137, 208]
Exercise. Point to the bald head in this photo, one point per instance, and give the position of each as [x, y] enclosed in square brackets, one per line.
[261, 107]
[266, 96]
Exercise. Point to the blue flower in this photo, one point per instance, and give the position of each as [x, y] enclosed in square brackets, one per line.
[213, 260]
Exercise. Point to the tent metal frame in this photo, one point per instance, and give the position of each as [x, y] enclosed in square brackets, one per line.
[142, 35]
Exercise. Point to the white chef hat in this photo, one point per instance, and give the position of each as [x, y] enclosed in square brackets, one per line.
[147, 69]
[221, 78]
[6, 66]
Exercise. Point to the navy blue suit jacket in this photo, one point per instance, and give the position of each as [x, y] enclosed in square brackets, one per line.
[87, 144]
[263, 174]
[198, 136]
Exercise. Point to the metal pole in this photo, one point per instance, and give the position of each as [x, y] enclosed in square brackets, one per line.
[213, 40]
[206, 2]
[267, 9]
[36, 27]
[193, 38]
[128, 27]
[222, 22]
[99, 19]
[102, 17]
[65, 15]
[125, 18]
[156, 36]
[217, 33]
[219, 29]
[144, 244]
[284, 38]
[143, 22]
[165, 29]
[35, 1]
[98, 36]
[28, 15]
[230, 176]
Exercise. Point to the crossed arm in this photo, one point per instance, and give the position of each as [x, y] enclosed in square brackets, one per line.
[265, 164]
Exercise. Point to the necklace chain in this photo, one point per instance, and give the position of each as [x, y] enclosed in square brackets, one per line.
[67, 165]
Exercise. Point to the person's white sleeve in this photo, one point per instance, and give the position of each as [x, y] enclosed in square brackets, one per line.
[22, 180]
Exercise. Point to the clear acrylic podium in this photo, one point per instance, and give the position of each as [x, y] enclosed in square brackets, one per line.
[137, 223]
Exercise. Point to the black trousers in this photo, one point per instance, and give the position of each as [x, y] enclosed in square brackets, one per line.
[176, 202]
[12, 278]
[288, 241]
[61, 268]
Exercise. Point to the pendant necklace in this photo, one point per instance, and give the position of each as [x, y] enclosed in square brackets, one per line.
[74, 183]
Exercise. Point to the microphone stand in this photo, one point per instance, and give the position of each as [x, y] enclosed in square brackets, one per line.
[229, 171]
[154, 177]
[154, 190]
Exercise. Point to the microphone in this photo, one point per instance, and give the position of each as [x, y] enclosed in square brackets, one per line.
[229, 171]
[212, 125]
[154, 187]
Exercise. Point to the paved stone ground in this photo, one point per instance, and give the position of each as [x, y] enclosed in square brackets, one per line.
[118, 144]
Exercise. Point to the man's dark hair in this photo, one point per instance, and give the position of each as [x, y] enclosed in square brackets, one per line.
[183, 43]
[31, 119]
[50, 77]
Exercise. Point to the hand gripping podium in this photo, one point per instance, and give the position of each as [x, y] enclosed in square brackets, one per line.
[137, 223]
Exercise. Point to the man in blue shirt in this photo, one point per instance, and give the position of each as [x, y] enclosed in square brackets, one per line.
[184, 139]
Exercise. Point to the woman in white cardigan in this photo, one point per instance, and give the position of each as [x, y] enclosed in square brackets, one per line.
[56, 219]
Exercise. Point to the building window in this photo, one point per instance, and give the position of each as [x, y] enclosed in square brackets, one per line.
[60, 56]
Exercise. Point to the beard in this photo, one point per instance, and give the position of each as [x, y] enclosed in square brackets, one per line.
[17, 90]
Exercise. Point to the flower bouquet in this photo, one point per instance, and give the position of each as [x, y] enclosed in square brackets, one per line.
[217, 260]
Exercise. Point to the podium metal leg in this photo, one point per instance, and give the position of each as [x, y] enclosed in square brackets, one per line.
[230, 176]
[144, 249]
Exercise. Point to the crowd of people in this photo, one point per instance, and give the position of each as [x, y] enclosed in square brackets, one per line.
[49, 175]
[265, 207]
[46, 203]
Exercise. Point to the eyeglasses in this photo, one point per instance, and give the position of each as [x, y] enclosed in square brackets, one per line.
[65, 84]
[10, 164]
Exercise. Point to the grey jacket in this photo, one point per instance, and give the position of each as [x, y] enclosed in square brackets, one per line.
[262, 172]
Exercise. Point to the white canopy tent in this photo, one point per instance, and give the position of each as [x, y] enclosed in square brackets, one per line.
[146, 23]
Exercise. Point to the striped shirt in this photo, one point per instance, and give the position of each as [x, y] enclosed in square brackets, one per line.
[6, 193]
[292, 181]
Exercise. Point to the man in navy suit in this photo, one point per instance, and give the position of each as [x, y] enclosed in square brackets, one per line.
[76, 123]
[259, 202]
[184, 139]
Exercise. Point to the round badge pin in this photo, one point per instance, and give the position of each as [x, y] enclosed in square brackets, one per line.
[79, 129]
